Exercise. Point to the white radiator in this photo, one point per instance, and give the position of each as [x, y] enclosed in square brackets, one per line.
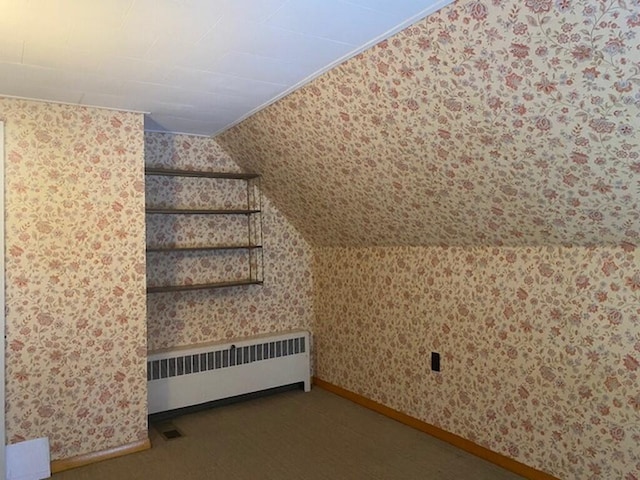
[198, 374]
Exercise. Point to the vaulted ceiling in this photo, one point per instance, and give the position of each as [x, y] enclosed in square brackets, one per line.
[503, 122]
[195, 66]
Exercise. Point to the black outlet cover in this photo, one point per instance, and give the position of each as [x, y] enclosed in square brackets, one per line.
[435, 361]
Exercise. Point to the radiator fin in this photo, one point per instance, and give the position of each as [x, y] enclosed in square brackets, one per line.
[224, 358]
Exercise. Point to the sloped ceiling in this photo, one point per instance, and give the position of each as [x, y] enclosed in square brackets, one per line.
[504, 122]
[196, 66]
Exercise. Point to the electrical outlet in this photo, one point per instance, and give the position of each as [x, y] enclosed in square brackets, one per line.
[435, 361]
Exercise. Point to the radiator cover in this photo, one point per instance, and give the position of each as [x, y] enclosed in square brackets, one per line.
[198, 374]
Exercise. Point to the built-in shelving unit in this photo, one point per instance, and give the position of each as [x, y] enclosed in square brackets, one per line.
[186, 249]
[201, 286]
[167, 172]
[199, 211]
[242, 253]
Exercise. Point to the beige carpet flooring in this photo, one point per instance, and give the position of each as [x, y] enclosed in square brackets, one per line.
[292, 435]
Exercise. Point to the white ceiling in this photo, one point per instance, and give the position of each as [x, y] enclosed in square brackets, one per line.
[196, 66]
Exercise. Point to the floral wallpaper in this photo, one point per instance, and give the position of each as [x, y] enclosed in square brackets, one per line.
[491, 122]
[75, 291]
[470, 186]
[540, 346]
[283, 302]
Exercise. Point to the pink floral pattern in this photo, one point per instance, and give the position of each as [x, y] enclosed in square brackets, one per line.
[190, 192]
[506, 130]
[284, 302]
[189, 268]
[488, 123]
[540, 346]
[185, 231]
[75, 270]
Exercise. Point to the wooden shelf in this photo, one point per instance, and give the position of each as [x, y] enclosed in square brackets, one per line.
[202, 286]
[200, 211]
[248, 255]
[189, 249]
[166, 172]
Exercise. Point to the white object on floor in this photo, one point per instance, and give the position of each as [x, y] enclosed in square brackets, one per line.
[28, 460]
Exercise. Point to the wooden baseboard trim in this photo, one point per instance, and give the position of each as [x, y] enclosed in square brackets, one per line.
[88, 458]
[455, 440]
